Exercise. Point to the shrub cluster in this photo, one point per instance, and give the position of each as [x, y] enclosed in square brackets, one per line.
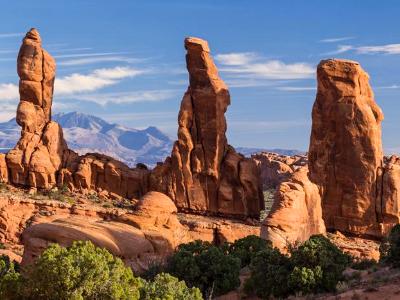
[84, 271]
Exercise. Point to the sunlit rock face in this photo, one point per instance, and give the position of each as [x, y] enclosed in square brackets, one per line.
[41, 151]
[204, 173]
[348, 186]
[345, 154]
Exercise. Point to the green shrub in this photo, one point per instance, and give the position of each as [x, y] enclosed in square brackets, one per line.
[205, 266]
[247, 247]
[81, 271]
[319, 251]
[167, 287]
[10, 279]
[304, 279]
[390, 247]
[270, 270]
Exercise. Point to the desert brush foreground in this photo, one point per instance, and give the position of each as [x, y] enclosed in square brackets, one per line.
[208, 222]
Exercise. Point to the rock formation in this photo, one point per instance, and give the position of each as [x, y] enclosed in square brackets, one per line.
[347, 173]
[275, 168]
[296, 213]
[41, 150]
[41, 158]
[345, 154]
[204, 174]
[148, 234]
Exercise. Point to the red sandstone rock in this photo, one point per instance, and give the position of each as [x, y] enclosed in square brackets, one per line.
[345, 153]
[204, 174]
[105, 175]
[41, 150]
[275, 168]
[296, 213]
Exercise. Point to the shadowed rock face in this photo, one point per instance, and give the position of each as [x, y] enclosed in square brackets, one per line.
[204, 173]
[345, 151]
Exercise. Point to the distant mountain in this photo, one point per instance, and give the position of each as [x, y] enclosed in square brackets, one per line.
[85, 133]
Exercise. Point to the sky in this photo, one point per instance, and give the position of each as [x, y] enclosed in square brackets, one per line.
[124, 61]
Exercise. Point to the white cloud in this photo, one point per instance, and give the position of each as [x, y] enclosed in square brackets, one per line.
[9, 91]
[249, 65]
[338, 39]
[340, 49]
[235, 59]
[128, 97]
[385, 49]
[100, 78]
[390, 49]
[10, 35]
[93, 60]
[296, 88]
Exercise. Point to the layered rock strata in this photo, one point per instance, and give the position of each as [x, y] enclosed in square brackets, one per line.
[204, 174]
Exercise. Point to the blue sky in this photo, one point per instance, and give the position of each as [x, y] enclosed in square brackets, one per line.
[124, 60]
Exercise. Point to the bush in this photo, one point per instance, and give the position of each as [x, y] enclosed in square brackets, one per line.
[246, 248]
[81, 271]
[304, 279]
[205, 266]
[167, 287]
[270, 270]
[320, 252]
[10, 279]
[390, 248]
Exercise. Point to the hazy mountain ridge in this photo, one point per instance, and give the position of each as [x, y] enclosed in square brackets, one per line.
[86, 133]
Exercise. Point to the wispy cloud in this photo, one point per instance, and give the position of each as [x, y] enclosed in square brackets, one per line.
[337, 39]
[385, 49]
[296, 88]
[236, 59]
[93, 60]
[390, 49]
[340, 49]
[10, 35]
[77, 83]
[100, 78]
[8, 91]
[249, 65]
[129, 97]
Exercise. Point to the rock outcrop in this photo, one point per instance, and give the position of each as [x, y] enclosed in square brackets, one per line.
[296, 213]
[347, 175]
[275, 168]
[140, 238]
[41, 158]
[41, 150]
[345, 154]
[204, 174]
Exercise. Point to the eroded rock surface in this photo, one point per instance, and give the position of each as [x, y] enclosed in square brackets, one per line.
[205, 174]
[275, 168]
[296, 213]
[41, 150]
[345, 154]
[348, 179]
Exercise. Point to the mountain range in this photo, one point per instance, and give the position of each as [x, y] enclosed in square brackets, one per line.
[86, 133]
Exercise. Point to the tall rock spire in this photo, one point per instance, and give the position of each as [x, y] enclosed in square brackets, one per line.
[205, 174]
[41, 151]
